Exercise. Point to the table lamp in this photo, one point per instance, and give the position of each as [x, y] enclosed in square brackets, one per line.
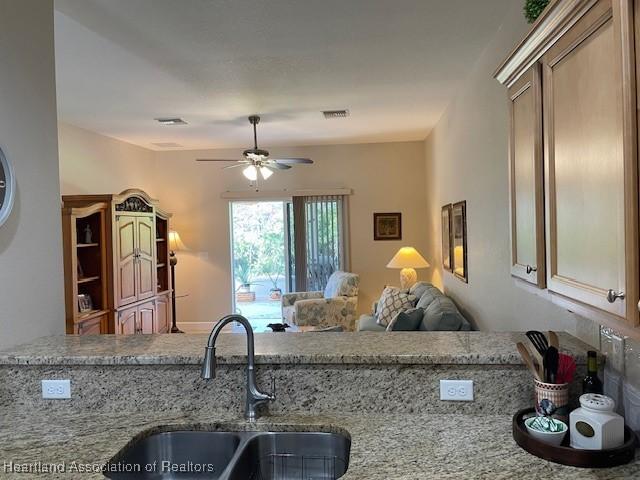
[175, 244]
[408, 259]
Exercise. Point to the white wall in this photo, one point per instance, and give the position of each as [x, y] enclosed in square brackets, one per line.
[93, 163]
[384, 177]
[466, 155]
[31, 278]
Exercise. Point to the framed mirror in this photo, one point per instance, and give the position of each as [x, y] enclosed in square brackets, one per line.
[459, 240]
[7, 188]
[446, 237]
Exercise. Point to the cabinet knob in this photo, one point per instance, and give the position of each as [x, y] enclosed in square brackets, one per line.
[531, 269]
[612, 296]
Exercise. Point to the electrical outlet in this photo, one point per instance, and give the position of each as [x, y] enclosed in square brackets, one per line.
[56, 388]
[456, 390]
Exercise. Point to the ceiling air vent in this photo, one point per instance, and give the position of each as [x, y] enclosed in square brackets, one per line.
[335, 113]
[167, 145]
[171, 121]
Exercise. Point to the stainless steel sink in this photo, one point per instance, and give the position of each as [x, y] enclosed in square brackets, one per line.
[287, 455]
[232, 456]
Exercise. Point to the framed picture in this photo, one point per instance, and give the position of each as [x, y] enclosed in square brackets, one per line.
[387, 226]
[459, 240]
[446, 237]
[85, 304]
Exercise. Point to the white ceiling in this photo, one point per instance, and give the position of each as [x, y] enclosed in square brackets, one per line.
[395, 64]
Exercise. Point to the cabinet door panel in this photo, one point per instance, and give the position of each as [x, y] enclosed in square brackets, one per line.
[163, 314]
[146, 275]
[586, 130]
[147, 318]
[126, 264]
[526, 179]
[90, 327]
[127, 321]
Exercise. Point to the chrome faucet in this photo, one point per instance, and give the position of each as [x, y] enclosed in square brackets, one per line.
[254, 396]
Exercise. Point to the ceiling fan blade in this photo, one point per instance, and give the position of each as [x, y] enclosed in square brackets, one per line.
[234, 166]
[215, 160]
[278, 166]
[292, 160]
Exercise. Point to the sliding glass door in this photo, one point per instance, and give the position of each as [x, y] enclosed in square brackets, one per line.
[259, 260]
[319, 240]
[282, 246]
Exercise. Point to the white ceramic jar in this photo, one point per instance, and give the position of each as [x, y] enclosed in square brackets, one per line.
[595, 426]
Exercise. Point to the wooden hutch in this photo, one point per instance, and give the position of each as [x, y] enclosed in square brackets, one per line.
[116, 264]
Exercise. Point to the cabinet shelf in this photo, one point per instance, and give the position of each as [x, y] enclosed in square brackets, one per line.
[91, 314]
[88, 279]
[87, 245]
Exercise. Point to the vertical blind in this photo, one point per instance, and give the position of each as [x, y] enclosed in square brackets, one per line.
[319, 247]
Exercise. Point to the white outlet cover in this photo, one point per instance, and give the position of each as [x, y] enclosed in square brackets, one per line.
[56, 389]
[456, 390]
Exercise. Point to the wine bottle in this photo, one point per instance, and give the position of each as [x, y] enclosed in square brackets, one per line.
[591, 383]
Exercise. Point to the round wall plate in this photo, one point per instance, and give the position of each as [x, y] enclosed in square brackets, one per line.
[7, 188]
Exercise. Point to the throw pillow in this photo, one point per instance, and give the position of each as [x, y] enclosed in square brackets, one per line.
[428, 296]
[442, 314]
[342, 284]
[408, 321]
[392, 302]
[419, 288]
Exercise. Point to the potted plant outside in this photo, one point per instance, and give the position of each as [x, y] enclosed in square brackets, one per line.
[272, 261]
[243, 275]
[275, 293]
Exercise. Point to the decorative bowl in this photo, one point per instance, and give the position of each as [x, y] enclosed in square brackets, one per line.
[552, 438]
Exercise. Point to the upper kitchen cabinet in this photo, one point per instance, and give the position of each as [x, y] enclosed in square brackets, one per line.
[585, 51]
[526, 178]
[590, 138]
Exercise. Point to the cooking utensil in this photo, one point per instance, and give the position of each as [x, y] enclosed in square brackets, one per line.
[537, 350]
[550, 362]
[538, 340]
[566, 368]
[528, 361]
[554, 341]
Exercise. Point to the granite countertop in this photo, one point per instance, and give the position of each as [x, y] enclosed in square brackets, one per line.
[485, 348]
[384, 447]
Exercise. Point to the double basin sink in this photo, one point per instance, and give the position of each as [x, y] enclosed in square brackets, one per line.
[193, 454]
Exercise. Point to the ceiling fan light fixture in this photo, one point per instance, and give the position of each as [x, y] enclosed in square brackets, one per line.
[251, 173]
[266, 172]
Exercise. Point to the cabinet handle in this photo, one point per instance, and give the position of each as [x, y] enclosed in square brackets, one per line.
[612, 296]
[531, 269]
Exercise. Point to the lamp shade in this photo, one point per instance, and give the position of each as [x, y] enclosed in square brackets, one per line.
[175, 243]
[408, 257]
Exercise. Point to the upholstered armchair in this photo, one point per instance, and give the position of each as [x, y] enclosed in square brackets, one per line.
[336, 306]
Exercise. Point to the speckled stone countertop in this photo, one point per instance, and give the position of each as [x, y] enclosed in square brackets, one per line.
[456, 348]
[384, 447]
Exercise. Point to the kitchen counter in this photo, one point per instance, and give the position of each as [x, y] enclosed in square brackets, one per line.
[380, 388]
[384, 446]
[370, 348]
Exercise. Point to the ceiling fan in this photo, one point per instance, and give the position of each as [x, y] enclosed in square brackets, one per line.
[257, 160]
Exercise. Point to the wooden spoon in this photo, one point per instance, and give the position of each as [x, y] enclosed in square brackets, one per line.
[554, 341]
[528, 361]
